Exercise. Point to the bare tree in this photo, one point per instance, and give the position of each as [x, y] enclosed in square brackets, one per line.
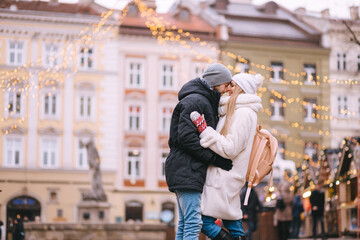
[354, 38]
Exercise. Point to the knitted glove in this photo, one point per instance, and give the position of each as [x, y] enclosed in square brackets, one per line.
[223, 163]
[199, 121]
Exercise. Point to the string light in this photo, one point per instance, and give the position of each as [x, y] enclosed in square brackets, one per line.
[167, 32]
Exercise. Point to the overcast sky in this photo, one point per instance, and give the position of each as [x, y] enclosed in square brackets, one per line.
[338, 8]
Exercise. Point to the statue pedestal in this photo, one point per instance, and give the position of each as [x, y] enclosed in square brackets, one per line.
[93, 212]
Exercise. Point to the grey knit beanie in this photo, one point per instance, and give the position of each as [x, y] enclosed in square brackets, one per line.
[216, 74]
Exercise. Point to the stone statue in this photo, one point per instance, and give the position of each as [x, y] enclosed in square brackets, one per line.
[97, 192]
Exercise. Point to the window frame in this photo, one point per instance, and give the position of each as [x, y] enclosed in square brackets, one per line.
[244, 67]
[342, 106]
[199, 66]
[166, 86]
[310, 77]
[77, 151]
[313, 148]
[86, 93]
[86, 57]
[21, 149]
[275, 104]
[7, 112]
[57, 141]
[58, 105]
[279, 67]
[140, 73]
[51, 54]
[309, 107]
[165, 117]
[141, 115]
[162, 163]
[341, 61]
[132, 161]
[16, 52]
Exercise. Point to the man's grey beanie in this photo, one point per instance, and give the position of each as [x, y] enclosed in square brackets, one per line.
[216, 74]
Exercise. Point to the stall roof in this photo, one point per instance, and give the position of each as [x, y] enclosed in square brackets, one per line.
[346, 156]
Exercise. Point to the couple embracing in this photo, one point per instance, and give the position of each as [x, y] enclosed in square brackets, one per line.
[206, 171]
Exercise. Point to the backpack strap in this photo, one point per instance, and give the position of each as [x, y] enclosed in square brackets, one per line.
[271, 178]
[247, 195]
[253, 172]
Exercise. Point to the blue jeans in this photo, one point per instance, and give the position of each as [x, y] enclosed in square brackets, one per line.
[190, 222]
[211, 229]
[252, 226]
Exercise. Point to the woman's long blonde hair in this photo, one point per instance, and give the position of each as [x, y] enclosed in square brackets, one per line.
[230, 109]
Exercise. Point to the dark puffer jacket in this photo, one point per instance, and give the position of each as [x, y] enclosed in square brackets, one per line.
[186, 165]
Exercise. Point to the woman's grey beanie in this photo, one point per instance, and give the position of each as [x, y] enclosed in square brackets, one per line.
[216, 74]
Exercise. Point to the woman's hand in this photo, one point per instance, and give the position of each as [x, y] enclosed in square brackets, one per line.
[199, 121]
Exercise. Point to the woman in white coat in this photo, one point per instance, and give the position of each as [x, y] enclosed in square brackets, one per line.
[233, 139]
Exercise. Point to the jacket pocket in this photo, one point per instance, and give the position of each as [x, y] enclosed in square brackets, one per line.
[213, 177]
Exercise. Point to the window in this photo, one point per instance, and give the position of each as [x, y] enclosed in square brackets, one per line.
[184, 14]
[81, 155]
[16, 52]
[50, 104]
[135, 117]
[14, 102]
[311, 151]
[49, 153]
[166, 119]
[133, 10]
[59, 213]
[309, 110]
[164, 155]
[13, 151]
[277, 108]
[168, 80]
[86, 105]
[51, 52]
[343, 110]
[281, 148]
[167, 212]
[310, 73]
[134, 170]
[135, 73]
[242, 66]
[86, 58]
[134, 211]
[199, 69]
[341, 61]
[277, 72]
[53, 195]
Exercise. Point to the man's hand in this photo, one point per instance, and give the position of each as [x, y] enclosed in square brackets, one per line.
[199, 121]
[223, 163]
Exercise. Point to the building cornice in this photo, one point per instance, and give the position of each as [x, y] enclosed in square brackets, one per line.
[47, 17]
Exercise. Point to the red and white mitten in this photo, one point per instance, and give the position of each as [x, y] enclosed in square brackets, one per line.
[199, 121]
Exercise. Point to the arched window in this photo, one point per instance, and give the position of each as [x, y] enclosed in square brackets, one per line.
[134, 211]
[167, 212]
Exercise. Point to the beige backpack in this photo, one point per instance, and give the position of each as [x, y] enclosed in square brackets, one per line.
[262, 157]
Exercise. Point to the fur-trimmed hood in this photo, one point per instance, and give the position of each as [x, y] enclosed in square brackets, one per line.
[243, 100]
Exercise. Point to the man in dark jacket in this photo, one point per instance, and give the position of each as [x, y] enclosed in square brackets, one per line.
[251, 210]
[186, 165]
[317, 200]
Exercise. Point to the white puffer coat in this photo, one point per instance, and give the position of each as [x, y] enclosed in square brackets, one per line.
[221, 194]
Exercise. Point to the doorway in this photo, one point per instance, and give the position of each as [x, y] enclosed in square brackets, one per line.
[25, 207]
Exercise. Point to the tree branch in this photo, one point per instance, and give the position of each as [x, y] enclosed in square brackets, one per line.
[355, 39]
